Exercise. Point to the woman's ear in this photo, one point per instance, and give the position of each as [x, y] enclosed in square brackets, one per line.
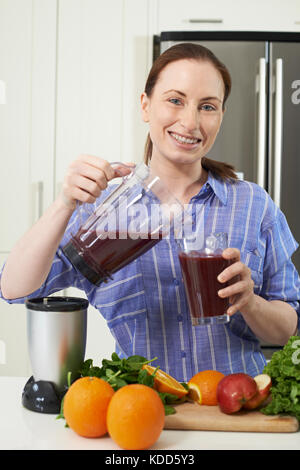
[145, 102]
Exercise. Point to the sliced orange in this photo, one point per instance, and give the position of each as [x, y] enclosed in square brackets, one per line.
[165, 383]
[195, 393]
[203, 387]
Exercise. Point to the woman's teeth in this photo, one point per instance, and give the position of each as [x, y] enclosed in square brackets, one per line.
[184, 140]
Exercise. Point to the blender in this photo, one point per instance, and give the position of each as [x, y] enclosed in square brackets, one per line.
[56, 330]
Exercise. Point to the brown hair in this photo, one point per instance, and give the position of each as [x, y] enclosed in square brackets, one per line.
[196, 52]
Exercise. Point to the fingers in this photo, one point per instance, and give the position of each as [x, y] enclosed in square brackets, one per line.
[240, 290]
[121, 170]
[87, 177]
[97, 163]
[231, 253]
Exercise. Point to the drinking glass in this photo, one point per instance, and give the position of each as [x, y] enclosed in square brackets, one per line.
[201, 262]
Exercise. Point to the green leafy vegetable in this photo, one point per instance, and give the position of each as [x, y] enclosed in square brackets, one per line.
[284, 370]
[119, 372]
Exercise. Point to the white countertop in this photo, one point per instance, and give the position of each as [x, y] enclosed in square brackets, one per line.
[21, 429]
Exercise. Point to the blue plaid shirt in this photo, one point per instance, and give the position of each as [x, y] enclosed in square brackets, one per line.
[145, 305]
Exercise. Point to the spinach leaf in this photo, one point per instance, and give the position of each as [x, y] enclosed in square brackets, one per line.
[119, 372]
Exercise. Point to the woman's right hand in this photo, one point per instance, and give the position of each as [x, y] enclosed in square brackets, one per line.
[87, 177]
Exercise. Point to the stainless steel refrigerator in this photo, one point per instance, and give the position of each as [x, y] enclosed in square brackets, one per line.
[260, 134]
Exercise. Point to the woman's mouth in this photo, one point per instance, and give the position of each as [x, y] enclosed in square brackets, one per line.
[181, 139]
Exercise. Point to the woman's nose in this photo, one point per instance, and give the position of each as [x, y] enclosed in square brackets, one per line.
[190, 118]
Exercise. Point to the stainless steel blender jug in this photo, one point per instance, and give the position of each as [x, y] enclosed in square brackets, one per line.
[56, 329]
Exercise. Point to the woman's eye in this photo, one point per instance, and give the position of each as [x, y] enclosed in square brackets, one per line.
[175, 100]
[208, 107]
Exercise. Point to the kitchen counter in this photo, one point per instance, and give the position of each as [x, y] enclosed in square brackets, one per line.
[21, 429]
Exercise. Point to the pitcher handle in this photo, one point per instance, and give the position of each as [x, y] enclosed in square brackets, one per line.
[124, 178]
[124, 165]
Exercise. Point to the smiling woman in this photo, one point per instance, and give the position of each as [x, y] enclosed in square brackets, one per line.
[213, 72]
[144, 304]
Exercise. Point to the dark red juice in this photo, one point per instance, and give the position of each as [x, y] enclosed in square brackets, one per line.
[200, 272]
[106, 255]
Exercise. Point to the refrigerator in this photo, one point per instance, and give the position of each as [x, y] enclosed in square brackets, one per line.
[260, 133]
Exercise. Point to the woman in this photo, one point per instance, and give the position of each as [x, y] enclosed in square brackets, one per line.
[145, 305]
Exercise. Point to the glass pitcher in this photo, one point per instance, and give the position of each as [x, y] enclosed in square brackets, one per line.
[135, 216]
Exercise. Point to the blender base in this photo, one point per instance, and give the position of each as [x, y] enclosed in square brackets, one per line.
[41, 396]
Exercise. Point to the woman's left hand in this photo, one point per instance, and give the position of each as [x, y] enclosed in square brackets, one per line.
[240, 292]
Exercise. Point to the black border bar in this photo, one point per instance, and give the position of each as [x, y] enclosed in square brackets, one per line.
[274, 36]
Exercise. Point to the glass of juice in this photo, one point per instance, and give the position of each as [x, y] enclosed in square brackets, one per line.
[201, 262]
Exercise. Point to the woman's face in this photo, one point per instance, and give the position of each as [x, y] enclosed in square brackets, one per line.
[184, 111]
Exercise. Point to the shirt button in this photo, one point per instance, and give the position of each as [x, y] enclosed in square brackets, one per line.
[176, 282]
[179, 317]
[183, 353]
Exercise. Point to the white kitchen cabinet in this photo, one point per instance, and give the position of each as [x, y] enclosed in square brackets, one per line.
[15, 72]
[256, 15]
[14, 357]
[27, 67]
[101, 70]
[89, 81]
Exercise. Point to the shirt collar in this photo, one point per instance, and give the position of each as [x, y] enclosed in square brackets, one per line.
[217, 185]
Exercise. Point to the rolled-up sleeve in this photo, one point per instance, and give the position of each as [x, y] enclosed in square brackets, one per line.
[281, 279]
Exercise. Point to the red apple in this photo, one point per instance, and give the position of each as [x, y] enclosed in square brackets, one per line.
[234, 391]
[264, 383]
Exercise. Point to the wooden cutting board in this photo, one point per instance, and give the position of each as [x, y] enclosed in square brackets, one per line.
[210, 418]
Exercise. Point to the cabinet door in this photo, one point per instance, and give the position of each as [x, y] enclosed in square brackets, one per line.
[27, 67]
[15, 71]
[42, 137]
[14, 357]
[89, 81]
[191, 15]
[136, 62]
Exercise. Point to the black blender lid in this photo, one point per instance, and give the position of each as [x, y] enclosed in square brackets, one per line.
[57, 304]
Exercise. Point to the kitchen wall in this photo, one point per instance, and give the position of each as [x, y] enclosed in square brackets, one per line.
[73, 72]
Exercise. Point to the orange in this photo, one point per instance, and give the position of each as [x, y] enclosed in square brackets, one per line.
[135, 417]
[203, 387]
[164, 383]
[85, 406]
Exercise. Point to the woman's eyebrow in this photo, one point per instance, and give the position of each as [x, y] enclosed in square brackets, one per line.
[177, 91]
[206, 98]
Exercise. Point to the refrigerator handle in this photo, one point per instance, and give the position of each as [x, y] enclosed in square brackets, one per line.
[278, 131]
[261, 131]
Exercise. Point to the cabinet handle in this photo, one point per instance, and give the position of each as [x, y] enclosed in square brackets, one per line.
[261, 130]
[278, 131]
[2, 92]
[205, 20]
[40, 198]
[37, 203]
[2, 352]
